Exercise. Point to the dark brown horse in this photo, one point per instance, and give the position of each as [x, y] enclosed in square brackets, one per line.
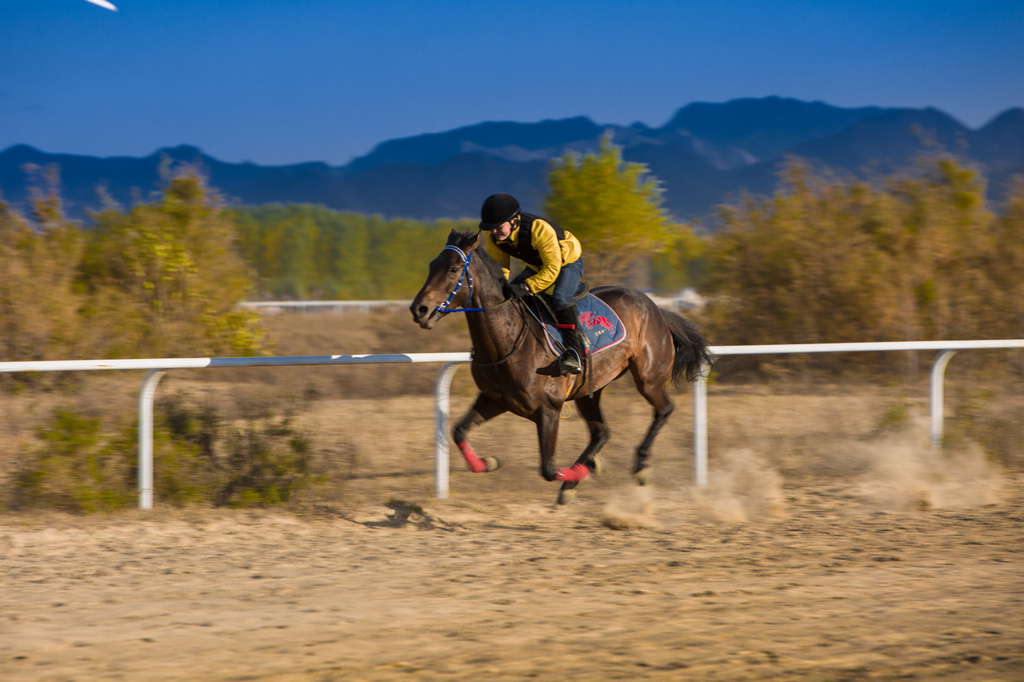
[515, 369]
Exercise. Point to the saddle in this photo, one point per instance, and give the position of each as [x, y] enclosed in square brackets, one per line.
[544, 303]
[600, 325]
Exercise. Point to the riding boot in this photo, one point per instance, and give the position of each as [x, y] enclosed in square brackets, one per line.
[571, 360]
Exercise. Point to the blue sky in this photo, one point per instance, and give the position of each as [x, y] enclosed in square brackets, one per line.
[327, 80]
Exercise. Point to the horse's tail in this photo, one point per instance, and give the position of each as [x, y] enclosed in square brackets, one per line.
[692, 353]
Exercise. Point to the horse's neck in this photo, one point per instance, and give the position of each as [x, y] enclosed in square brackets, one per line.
[495, 331]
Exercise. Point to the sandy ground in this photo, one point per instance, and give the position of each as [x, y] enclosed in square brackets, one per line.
[876, 558]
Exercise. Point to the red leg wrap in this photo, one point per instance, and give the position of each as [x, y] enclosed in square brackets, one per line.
[475, 464]
[575, 473]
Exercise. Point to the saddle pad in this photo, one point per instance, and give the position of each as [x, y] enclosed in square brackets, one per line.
[601, 326]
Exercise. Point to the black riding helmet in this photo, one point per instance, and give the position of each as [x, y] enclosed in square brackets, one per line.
[497, 209]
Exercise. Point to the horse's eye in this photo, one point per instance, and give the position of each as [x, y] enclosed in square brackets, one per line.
[454, 270]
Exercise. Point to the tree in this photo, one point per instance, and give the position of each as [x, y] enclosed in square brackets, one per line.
[350, 256]
[166, 276]
[912, 257]
[794, 267]
[314, 252]
[39, 303]
[1005, 265]
[614, 208]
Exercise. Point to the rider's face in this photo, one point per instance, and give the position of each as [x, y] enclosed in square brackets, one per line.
[502, 232]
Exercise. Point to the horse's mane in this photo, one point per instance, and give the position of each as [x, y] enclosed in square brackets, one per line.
[490, 265]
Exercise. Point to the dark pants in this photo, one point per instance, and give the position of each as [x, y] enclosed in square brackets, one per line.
[564, 290]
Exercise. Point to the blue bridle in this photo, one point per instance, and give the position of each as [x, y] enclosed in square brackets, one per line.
[465, 275]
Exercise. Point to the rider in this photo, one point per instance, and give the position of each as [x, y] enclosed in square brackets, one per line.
[554, 265]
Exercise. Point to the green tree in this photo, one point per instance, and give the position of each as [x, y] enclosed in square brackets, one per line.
[614, 208]
[679, 264]
[166, 276]
[314, 252]
[350, 268]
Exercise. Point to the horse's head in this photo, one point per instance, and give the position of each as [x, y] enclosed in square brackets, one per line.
[447, 284]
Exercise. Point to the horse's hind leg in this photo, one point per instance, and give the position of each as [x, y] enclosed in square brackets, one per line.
[483, 409]
[663, 407]
[590, 410]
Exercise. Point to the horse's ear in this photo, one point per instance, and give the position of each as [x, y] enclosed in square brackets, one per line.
[453, 237]
[471, 242]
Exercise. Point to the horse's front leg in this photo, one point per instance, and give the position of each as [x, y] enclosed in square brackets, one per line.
[483, 409]
[546, 419]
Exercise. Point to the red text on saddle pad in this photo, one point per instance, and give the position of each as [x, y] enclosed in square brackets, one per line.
[590, 320]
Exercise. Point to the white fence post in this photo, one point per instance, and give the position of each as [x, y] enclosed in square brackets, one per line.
[700, 428]
[442, 402]
[935, 390]
[146, 391]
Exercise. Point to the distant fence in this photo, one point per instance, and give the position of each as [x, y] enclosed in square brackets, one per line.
[452, 361]
[686, 300]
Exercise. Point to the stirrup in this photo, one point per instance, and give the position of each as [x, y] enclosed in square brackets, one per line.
[570, 362]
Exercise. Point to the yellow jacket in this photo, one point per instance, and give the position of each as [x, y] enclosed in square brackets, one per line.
[542, 245]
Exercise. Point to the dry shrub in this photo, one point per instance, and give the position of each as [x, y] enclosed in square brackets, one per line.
[72, 466]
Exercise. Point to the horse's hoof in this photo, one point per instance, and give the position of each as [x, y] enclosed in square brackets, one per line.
[492, 464]
[566, 495]
[642, 477]
[599, 467]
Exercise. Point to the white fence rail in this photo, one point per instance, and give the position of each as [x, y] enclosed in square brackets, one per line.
[945, 351]
[451, 362]
[319, 306]
[687, 300]
[157, 368]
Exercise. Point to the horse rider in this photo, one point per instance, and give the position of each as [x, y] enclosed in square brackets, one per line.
[554, 260]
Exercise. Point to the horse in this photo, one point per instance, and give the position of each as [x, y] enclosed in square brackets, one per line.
[516, 371]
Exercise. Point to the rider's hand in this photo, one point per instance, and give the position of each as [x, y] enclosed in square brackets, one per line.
[519, 289]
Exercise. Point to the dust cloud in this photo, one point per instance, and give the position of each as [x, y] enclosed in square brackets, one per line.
[905, 472]
[742, 486]
[896, 470]
[629, 508]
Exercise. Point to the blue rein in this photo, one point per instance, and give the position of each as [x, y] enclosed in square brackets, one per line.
[464, 275]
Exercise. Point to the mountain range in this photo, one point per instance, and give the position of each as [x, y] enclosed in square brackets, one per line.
[705, 155]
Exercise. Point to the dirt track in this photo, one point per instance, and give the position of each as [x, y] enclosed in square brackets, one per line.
[820, 582]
